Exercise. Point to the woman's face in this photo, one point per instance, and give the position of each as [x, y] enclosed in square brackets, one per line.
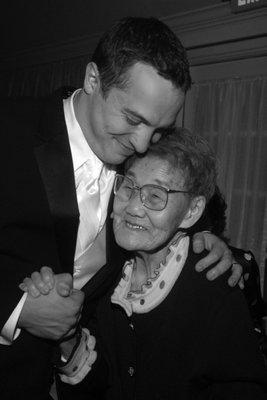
[138, 228]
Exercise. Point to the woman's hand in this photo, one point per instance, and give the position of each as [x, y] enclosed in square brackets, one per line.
[220, 253]
[44, 281]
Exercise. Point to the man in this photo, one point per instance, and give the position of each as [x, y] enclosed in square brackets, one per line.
[57, 160]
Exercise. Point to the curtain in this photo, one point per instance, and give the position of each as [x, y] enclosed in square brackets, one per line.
[232, 115]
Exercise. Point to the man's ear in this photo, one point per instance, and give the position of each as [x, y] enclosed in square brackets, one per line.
[194, 212]
[92, 79]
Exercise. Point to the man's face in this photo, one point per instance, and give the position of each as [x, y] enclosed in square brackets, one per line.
[128, 120]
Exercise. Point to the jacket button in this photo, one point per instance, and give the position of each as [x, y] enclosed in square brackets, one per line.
[131, 371]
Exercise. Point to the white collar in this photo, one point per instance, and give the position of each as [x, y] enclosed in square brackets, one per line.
[80, 150]
[157, 288]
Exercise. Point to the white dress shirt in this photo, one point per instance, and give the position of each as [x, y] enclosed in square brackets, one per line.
[94, 182]
[89, 173]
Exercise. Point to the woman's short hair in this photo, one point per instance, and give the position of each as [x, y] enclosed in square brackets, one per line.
[145, 40]
[191, 155]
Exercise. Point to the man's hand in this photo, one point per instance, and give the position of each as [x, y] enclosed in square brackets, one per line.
[220, 253]
[52, 316]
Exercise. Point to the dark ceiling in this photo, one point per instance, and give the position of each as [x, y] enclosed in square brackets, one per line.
[29, 23]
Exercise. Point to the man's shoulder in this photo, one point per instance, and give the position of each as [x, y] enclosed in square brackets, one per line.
[38, 119]
[24, 109]
[18, 121]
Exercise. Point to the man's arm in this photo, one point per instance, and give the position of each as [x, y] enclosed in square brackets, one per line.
[78, 353]
[219, 253]
[10, 331]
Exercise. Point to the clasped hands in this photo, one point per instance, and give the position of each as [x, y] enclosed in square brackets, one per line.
[54, 312]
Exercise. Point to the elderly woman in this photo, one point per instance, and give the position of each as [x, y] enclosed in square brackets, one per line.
[164, 331]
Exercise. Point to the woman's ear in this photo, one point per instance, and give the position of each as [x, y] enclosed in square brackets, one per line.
[92, 79]
[194, 212]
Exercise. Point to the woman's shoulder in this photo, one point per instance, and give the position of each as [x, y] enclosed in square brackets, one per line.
[218, 287]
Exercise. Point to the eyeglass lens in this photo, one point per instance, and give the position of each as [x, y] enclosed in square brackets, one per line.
[152, 197]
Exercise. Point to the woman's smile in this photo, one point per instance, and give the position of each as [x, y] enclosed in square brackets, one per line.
[134, 226]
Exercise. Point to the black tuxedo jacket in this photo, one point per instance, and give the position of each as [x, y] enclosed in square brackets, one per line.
[39, 219]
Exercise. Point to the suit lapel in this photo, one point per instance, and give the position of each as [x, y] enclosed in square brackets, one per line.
[53, 156]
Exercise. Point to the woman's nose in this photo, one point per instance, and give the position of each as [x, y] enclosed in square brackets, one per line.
[135, 205]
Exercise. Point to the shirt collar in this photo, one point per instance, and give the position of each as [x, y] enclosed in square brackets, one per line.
[80, 150]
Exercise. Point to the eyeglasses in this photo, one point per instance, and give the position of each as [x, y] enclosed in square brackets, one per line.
[153, 197]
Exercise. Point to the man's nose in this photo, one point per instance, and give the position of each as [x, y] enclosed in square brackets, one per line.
[142, 139]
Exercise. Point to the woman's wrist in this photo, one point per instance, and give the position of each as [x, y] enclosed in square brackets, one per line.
[80, 357]
[66, 348]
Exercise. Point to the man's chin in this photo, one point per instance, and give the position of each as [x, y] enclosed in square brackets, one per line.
[115, 159]
[123, 150]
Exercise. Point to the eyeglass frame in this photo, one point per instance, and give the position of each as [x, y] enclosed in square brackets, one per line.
[167, 191]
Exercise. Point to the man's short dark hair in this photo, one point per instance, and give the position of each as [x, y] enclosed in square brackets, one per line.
[145, 40]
